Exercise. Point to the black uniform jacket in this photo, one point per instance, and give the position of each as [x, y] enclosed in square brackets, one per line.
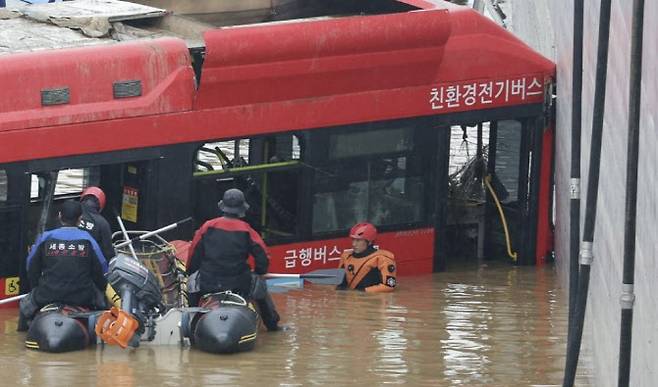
[96, 225]
[220, 250]
[64, 266]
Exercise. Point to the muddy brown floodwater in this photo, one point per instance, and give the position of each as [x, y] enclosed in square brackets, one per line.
[475, 325]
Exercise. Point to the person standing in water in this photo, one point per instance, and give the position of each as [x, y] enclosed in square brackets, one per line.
[366, 267]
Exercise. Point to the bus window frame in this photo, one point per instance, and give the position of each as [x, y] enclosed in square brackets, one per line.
[525, 114]
[250, 166]
[92, 171]
[322, 160]
[257, 170]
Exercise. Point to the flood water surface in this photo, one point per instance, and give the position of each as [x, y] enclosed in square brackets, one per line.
[479, 325]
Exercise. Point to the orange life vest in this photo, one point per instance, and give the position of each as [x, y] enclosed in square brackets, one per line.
[357, 268]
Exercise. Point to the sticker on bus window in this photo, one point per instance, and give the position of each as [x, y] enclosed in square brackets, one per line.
[129, 204]
[12, 286]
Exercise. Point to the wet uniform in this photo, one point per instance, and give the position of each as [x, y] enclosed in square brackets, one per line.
[66, 266]
[220, 250]
[96, 225]
[371, 270]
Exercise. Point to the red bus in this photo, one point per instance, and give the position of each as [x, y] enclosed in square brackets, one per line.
[322, 121]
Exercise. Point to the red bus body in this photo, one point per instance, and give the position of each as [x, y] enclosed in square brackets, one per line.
[271, 78]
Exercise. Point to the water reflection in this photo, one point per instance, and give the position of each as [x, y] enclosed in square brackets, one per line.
[492, 325]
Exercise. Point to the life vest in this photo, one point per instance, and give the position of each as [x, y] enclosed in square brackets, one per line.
[356, 269]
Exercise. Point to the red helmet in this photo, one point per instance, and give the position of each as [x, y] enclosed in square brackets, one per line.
[95, 192]
[364, 231]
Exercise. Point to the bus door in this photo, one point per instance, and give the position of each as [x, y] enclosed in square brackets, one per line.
[492, 183]
[13, 183]
[149, 188]
[465, 178]
[512, 184]
[29, 203]
[267, 169]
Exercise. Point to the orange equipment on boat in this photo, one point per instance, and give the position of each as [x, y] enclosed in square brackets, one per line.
[117, 327]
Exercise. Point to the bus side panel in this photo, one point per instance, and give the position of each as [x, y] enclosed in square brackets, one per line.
[293, 61]
[34, 83]
[413, 250]
[332, 58]
[544, 229]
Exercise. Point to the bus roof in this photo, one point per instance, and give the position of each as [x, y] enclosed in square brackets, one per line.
[263, 78]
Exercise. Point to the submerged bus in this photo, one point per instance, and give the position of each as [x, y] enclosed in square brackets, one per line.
[340, 114]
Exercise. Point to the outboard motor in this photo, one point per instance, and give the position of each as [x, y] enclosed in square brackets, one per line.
[140, 303]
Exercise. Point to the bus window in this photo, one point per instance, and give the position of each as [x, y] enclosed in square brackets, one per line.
[382, 182]
[37, 186]
[266, 169]
[69, 182]
[370, 143]
[3, 185]
[464, 146]
[508, 154]
[222, 155]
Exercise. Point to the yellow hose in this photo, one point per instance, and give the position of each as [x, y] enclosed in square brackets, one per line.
[487, 182]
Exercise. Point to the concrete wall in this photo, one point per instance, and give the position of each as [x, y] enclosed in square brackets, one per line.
[531, 21]
[603, 314]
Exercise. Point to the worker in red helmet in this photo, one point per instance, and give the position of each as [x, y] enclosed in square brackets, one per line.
[93, 201]
[366, 267]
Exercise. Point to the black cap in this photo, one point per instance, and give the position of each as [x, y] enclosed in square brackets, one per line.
[70, 211]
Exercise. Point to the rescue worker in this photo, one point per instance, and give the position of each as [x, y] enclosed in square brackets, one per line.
[93, 202]
[65, 266]
[220, 250]
[367, 268]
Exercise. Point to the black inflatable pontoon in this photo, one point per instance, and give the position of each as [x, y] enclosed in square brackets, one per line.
[62, 328]
[224, 323]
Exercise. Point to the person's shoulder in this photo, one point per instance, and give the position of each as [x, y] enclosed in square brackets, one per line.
[69, 233]
[228, 224]
[238, 223]
[98, 218]
[46, 235]
[211, 222]
[385, 253]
